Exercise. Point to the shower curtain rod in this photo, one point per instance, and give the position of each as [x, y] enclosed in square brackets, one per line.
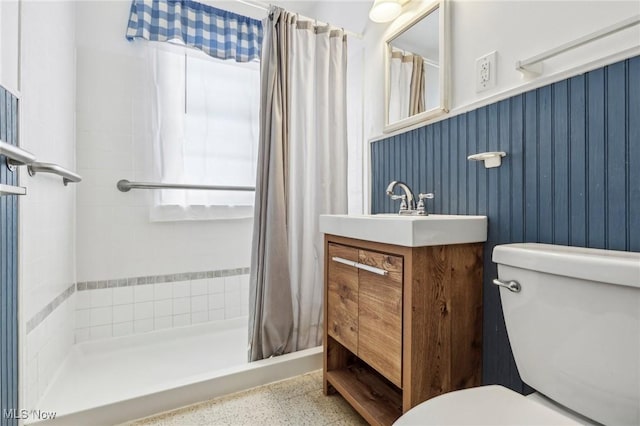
[254, 4]
[265, 7]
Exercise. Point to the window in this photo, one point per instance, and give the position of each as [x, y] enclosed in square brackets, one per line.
[208, 126]
[222, 125]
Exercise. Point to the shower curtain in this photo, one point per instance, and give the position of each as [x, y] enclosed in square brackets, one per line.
[416, 96]
[406, 85]
[302, 173]
[399, 86]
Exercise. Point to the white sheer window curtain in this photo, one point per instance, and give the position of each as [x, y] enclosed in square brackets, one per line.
[206, 124]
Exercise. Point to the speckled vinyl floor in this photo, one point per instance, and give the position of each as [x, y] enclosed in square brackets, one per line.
[297, 401]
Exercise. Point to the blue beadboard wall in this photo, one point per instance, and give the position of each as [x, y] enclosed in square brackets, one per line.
[8, 267]
[571, 177]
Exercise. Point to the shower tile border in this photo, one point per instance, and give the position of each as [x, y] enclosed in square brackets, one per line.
[157, 279]
[38, 318]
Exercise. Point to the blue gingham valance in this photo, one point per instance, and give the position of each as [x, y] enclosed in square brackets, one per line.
[218, 33]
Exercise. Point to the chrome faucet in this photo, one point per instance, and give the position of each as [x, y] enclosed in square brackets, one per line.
[421, 210]
[408, 203]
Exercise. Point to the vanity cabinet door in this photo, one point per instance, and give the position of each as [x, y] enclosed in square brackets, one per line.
[342, 296]
[380, 315]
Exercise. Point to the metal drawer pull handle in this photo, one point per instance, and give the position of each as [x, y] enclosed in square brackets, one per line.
[344, 261]
[371, 269]
[360, 265]
[513, 286]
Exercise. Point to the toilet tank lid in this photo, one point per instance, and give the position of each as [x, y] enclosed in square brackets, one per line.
[607, 266]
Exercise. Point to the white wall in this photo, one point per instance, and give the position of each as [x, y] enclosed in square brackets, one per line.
[9, 19]
[516, 30]
[115, 237]
[48, 212]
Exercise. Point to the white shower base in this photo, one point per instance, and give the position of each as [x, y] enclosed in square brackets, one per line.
[119, 379]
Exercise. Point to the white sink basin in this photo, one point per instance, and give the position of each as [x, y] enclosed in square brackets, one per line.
[409, 231]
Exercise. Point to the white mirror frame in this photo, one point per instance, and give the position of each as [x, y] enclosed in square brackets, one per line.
[444, 72]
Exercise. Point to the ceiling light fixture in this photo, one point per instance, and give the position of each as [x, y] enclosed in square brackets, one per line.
[385, 10]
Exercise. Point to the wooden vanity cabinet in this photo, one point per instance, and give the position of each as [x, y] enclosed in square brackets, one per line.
[342, 298]
[380, 315]
[402, 324]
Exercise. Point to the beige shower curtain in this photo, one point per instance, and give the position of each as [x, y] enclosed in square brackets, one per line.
[407, 81]
[302, 173]
[416, 88]
[270, 308]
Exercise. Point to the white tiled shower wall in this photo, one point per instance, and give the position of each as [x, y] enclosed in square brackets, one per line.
[114, 235]
[121, 311]
[47, 215]
[47, 347]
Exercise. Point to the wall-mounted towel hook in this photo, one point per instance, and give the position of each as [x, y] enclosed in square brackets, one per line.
[491, 159]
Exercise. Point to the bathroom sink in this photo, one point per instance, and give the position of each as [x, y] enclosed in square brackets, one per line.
[409, 231]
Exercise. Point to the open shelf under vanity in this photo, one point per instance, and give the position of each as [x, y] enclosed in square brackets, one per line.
[376, 399]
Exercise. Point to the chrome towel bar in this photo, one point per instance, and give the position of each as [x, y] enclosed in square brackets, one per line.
[67, 175]
[533, 65]
[125, 186]
[16, 156]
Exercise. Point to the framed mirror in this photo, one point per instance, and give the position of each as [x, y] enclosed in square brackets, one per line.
[417, 69]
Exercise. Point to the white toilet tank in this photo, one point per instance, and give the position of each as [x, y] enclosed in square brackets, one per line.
[574, 326]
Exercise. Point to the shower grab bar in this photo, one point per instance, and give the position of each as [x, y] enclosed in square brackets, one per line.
[125, 186]
[67, 175]
[533, 65]
[15, 156]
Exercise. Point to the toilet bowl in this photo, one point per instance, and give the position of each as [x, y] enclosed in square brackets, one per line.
[491, 406]
[573, 322]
